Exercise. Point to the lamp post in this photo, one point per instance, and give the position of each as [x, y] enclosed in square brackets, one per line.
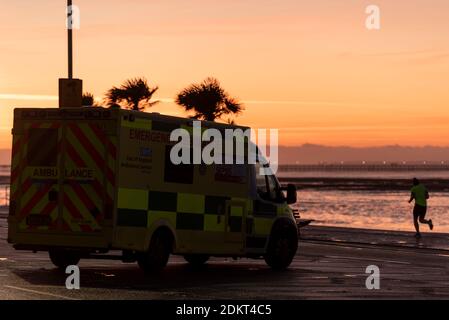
[70, 89]
[70, 37]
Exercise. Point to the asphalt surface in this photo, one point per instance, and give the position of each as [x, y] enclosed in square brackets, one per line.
[326, 267]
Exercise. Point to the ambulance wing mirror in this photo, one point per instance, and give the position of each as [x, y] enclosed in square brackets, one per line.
[291, 193]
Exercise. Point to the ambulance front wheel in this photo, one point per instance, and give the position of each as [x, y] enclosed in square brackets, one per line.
[63, 258]
[156, 258]
[282, 246]
[196, 260]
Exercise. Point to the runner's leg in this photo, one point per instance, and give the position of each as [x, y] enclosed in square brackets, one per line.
[415, 221]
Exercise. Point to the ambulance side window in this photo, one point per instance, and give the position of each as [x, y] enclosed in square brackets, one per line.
[182, 173]
[267, 186]
[272, 188]
[261, 183]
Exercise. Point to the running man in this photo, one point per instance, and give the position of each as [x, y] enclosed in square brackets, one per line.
[420, 195]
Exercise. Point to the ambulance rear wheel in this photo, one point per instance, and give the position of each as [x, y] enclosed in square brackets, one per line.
[156, 258]
[63, 258]
[196, 260]
[282, 247]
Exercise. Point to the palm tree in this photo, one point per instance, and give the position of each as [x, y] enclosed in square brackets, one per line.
[208, 100]
[134, 94]
[88, 100]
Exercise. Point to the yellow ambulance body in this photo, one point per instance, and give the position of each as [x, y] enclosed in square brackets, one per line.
[88, 181]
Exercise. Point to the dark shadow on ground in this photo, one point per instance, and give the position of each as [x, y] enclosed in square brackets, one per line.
[174, 276]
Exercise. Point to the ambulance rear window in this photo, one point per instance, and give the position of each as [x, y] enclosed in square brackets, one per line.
[42, 148]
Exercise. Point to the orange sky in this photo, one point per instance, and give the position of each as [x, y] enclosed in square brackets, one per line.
[308, 68]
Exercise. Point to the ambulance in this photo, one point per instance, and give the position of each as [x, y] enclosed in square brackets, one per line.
[88, 182]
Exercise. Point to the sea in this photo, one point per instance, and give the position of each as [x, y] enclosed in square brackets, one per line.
[369, 200]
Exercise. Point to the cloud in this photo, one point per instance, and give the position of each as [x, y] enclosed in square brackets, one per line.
[281, 102]
[434, 58]
[38, 97]
[387, 54]
[300, 102]
[369, 128]
[27, 97]
[418, 56]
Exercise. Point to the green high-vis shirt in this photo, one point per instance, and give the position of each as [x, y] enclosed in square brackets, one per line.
[420, 194]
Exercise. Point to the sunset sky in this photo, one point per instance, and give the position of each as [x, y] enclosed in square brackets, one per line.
[308, 68]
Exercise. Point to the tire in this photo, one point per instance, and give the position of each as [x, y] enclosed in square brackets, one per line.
[196, 260]
[64, 258]
[156, 258]
[282, 247]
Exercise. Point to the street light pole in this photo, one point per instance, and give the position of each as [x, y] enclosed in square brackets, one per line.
[70, 37]
[70, 89]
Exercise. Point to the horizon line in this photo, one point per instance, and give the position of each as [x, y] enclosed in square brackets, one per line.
[344, 146]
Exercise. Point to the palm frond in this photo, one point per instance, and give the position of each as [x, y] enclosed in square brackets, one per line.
[134, 93]
[88, 99]
[208, 100]
[233, 106]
